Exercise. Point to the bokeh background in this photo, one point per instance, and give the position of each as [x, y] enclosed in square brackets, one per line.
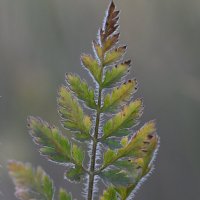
[40, 40]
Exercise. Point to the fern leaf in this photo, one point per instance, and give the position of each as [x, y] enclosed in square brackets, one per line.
[115, 74]
[118, 95]
[30, 183]
[133, 160]
[72, 114]
[109, 194]
[52, 144]
[111, 23]
[82, 90]
[138, 170]
[55, 146]
[93, 66]
[118, 126]
[127, 159]
[75, 174]
[63, 195]
[77, 154]
[110, 42]
[114, 55]
[98, 50]
[111, 142]
[143, 142]
[112, 177]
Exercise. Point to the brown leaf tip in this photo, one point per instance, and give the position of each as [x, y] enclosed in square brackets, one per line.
[110, 23]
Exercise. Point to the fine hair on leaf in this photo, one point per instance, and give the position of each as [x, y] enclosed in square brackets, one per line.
[121, 152]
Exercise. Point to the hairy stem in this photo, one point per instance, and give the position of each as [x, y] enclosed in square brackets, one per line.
[94, 149]
[95, 142]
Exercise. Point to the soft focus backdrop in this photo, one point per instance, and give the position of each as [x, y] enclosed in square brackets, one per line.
[40, 40]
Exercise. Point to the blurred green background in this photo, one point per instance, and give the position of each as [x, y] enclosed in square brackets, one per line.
[40, 40]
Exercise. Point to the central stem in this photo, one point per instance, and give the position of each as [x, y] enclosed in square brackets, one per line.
[94, 149]
[95, 142]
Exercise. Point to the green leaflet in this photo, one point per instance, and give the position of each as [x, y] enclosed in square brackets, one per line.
[115, 74]
[138, 168]
[82, 90]
[110, 42]
[118, 125]
[77, 154]
[109, 155]
[112, 143]
[116, 177]
[92, 65]
[132, 160]
[98, 51]
[63, 195]
[30, 183]
[109, 194]
[72, 114]
[143, 143]
[52, 144]
[114, 55]
[75, 174]
[118, 95]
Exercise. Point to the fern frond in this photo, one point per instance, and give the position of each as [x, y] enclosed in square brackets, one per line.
[111, 142]
[114, 55]
[55, 146]
[110, 42]
[118, 95]
[52, 144]
[133, 160]
[72, 114]
[119, 125]
[113, 75]
[127, 157]
[63, 195]
[93, 66]
[110, 24]
[81, 90]
[109, 194]
[30, 183]
[144, 141]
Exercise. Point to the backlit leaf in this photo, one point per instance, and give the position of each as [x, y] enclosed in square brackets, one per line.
[82, 90]
[119, 95]
[98, 50]
[52, 144]
[119, 124]
[93, 66]
[75, 174]
[72, 114]
[110, 42]
[114, 55]
[109, 194]
[108, 156]
[63, 195]
[111, 23]
[115, 74]
[116, 177]
[77, 154]
[142, 144]
[30, 183]
[112, 142]
[143, 141]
